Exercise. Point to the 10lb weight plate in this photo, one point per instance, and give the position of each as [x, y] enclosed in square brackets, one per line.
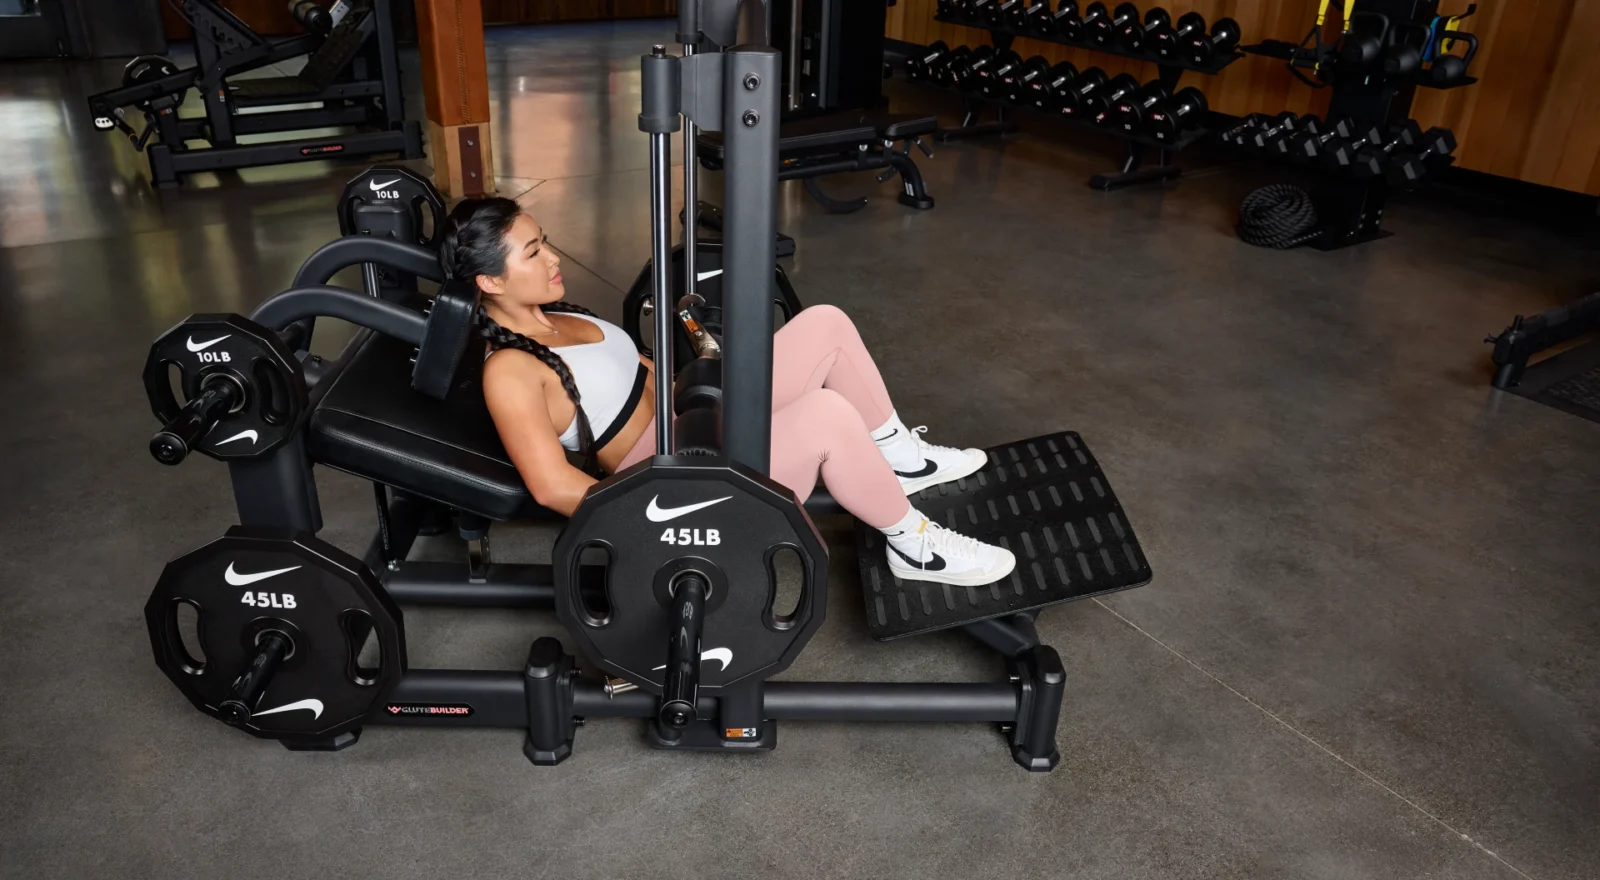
[208, 348]
[385, 190]
[253, 585]
[656, 522]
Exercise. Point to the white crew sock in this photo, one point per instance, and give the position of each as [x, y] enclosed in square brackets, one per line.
[906, 535]
[898, 444]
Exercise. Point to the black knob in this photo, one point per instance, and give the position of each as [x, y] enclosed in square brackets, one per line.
[219, 395]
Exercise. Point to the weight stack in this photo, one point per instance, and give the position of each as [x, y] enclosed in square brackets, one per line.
[455, 88]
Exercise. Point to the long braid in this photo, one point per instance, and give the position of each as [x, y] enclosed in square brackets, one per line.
[500, 337]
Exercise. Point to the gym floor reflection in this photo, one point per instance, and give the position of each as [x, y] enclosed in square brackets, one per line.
[1369, 650]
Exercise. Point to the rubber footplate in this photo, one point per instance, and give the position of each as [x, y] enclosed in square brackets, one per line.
[1046, 500]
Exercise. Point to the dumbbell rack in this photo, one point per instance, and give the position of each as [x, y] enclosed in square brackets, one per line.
[1133, 171]
[1351, 208]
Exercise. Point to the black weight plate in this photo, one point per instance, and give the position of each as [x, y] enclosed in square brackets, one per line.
[655, 520]
[253, 356]
[393, 185]
[255, 580]
[708, 270]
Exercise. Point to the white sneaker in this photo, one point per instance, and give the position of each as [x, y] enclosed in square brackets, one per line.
[943, 556]
[931, 464]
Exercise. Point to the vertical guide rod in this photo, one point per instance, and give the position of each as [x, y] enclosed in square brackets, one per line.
[659, 116]
[691, 199]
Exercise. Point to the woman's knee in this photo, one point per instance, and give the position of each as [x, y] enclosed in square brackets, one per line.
[828, 413]
[829, 321]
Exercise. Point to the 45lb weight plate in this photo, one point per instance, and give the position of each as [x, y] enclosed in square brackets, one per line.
[304, 602]
[657, 522]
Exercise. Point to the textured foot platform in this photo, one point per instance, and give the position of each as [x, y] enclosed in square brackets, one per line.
[1044, 499]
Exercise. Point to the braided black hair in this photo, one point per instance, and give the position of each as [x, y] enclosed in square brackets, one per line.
[473, 243]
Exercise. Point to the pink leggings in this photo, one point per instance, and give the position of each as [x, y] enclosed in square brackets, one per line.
[827, 396]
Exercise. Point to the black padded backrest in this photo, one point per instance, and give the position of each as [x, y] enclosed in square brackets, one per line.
[451, 326]
[341, 47]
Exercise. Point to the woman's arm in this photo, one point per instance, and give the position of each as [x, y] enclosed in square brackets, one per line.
[514, 387]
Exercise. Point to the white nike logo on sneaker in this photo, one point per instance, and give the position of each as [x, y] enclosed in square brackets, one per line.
[721, 655]
[202, 346]
[384, 185]
[314, 706]
[243, 580]
[657, 513]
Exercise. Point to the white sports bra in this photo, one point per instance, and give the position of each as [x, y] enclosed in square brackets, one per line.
[610, 379]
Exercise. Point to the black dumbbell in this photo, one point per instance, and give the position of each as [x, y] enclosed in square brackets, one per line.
[1166, 122]
[1309, 125]
[1026, 19]
[1311, 145]
[1072, 99]
[1105, 30]
[994, 77]
[977, 11]
[1130, 112]
[1345, 154]
[1066, 23]
[1019, 88]
[1093, 17]
[1135, 37]
[1281, 125]
[1240, 132]
[998, 14]
[1044, 92]
[1172, 42]
[944, 73]
[921, 65]
[1097, 106]
[1370, 161]
[959, 74]
[1411, 167]
[983, 80]
[1204, 50]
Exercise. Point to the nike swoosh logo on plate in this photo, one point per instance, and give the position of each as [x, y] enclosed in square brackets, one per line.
[723, 656]
[313, 706]
[657, 513]
[252, 436]
[244, 580]
[202, 346]
[387, 183]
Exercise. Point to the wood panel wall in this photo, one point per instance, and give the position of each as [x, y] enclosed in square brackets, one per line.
[1534, 115]
[534, 11]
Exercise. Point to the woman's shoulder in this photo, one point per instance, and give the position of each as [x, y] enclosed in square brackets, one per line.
[514, 368]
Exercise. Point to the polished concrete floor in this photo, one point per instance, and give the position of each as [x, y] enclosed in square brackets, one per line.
[1370, 651]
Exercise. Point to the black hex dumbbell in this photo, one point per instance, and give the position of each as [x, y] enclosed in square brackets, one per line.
[1205, 49]
[1167, 122]
[1282, 125]
[1241, 132]
[1019, 88]
[1411, 167]
[1172, 41]
[1135, 37]
[1308, 125]
[1097, 107]
[1371, 161]
[1312, 146]
[1129, 113]
[1073, 100]
[1044, 92]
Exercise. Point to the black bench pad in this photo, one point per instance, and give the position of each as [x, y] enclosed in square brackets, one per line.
[372, 424]
[1044, 499]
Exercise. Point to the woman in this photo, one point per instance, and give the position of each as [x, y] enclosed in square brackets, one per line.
[558, 379]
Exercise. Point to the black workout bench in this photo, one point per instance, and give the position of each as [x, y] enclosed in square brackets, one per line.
[815, 146]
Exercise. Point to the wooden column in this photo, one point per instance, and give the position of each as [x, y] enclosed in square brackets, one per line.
[455, 86]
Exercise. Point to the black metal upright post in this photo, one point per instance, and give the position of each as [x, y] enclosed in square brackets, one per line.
[752, 76]
[660, 78]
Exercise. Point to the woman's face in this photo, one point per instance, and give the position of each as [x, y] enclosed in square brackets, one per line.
[533, 271]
